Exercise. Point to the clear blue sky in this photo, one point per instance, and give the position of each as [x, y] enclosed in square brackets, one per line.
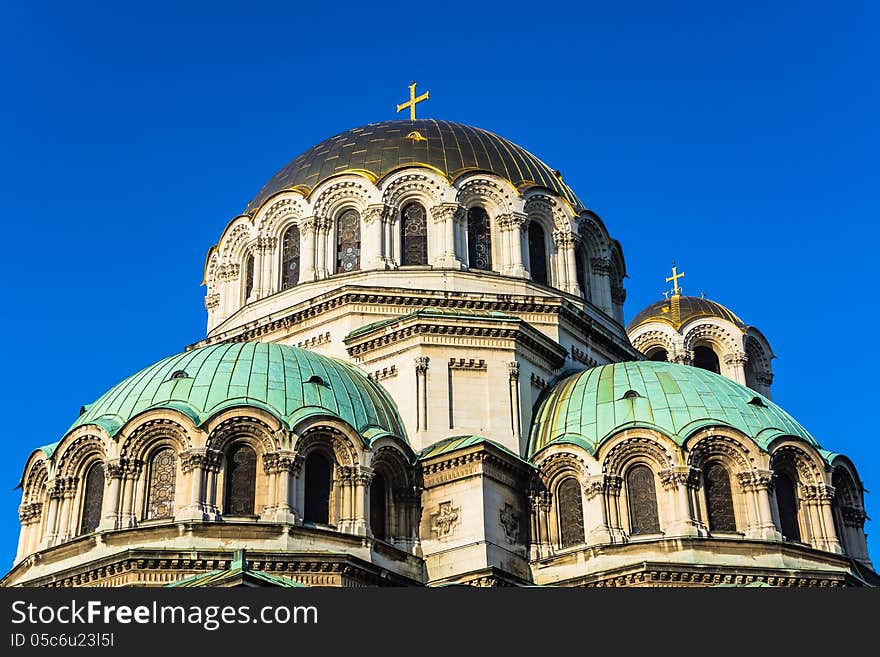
[738, 138]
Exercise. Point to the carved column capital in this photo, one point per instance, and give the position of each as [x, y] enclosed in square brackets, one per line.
[680, 475]
[445, 212]
[114, 469]
[736, 358]
[513, 370]
[376, 212]
[307, 225]
[511, 221]
[421, 364]
[563, 239]
[601, 266]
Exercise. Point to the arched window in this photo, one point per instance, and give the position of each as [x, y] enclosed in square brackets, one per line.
[571, 512]
[658, 354]
[377, 507]
[787, 505]
[582, 264]
[641, 497]
[719, 499]
[348, 242]
[241, 480]
[160, 494]
[248, 276]
[290, 258]
[537, 253]
[317, 480]
[706, 359]
[414, 234]
[93, 498]
[479, 236]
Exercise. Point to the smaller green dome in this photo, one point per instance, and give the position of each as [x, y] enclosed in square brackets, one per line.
[290, 383]
[588, 407]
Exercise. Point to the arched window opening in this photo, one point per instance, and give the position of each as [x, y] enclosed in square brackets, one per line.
[479, 235]
[719, 499]
[582, 264]
[571, 513]
[641, 497]
[348, 242]
[414, 235]
[160, 494]
[290, 246]
[787, 505]
[706, 359]
[93, 499]
[845, 497]
[317, 489]
[378, 510]
[658, 354]
[537, 253]
[241, 480]
[248, 277]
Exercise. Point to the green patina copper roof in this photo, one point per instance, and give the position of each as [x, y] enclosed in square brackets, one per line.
[238, 573]
[273, 377]
[380, 148]
[454, 443]
[590, 406]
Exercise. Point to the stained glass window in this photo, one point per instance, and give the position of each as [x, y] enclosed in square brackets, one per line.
[93, 498]
[581, 264]
[290, 258]
[348, 242]
[317, 502]
[786, 503]
[241, 480]
[377, 506]
[642, 500]
[163, 473]
[414, 230]
[479, 240]
[571, 513]
[537, 253]
[248, 277]
[719, 499]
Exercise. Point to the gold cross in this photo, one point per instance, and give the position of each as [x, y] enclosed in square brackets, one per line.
[674, 278]
[413, 99]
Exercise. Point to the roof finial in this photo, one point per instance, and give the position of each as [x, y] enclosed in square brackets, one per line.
[676, 291]
[413, 100]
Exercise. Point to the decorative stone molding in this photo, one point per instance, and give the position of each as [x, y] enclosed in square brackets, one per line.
[421, 363]
[212, 301]
[731, 450]
[513, 371]
[563, 239]
[384, 373]
[601, 266]
[581, 356]
[375, 212]
[265, 244]
[680, 475]
[314, 341]
[446, 212]
[466, 364]
[538, 382]
[308, 226]
[738, 358]
[756, 479]
[618, 294]
[511, 221]
[509, 520]
[28, 513]
[445, 519]
[630, 448]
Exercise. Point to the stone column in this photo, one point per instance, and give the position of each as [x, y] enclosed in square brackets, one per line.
[230, 293]
[422, 393]
[511, 226]
[388, 240]
[192, 462]
[460, 238]
[322, 230]
[681, 480]
[854, 526]
[280, 467]
[362, 478]
[54, 491]
[29, 515]
[113, 471]
[756, 485]
[613, 486]
[131, 471]
[735, 366]
[264, 266]
[515, 413]
[446, 215]
[307, 250]
[830, 540]
[601, 269]
[541, 546]
[68, 492]
[213, 461]
[596, 514]
[372, 245]
[567, 272]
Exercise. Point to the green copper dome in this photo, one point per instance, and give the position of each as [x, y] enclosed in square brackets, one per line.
[588, 407]
[378, 149]
[290, 383]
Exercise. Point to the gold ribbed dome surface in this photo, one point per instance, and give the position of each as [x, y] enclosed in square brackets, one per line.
[679, 309]
[378, 149]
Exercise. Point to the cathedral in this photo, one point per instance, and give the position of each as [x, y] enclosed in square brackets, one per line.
[416, 372]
